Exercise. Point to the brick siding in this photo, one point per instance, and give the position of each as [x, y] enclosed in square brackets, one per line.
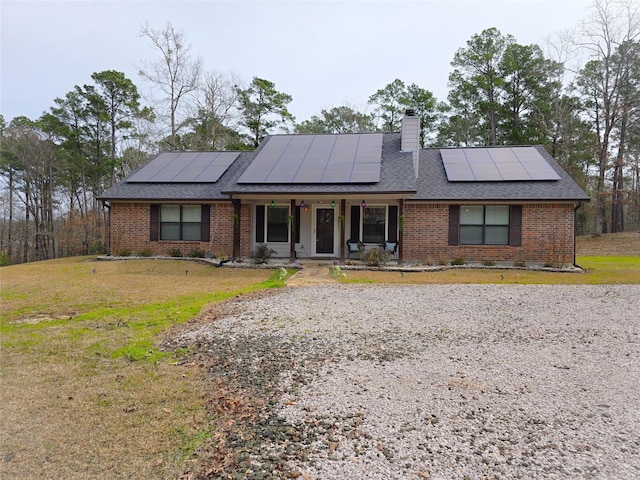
[547, 236]
[130, 224]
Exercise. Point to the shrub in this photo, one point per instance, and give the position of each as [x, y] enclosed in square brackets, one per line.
[488, 263]
[175, 252]
[457, 261]
[375, 257]
[262, 253]
[124, 253]
[196, 253]
[4, 259]
[146, 253]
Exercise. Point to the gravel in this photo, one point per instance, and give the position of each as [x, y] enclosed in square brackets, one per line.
[440, 382]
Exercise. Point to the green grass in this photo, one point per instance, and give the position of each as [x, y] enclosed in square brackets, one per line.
[610, 269]
[598, 270]
[84, 347]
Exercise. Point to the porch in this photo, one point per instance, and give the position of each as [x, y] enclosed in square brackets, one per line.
[319, 228]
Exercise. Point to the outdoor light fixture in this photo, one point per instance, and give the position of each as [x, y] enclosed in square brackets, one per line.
[363, 204]
[302, 204]
[333, 204]
[273, 204]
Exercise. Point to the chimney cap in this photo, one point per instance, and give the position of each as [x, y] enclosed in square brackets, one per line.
[410, 112]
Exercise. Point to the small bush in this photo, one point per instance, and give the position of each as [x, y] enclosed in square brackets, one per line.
[196, 253]
[375, 257]
[175, 252]
[457, 261]
[124, 253]
[337, 273]
[262, 253]
[488, 263]
[146, 253]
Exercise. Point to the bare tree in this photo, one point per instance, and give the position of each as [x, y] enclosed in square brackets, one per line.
[217, 109]
[175, 73]
[612, 24]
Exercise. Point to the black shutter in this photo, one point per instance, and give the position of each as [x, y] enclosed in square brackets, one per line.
[297, 224]
[355, 223]
[259, 223]
[515, 226]
[205, 223]
[154, 223]
[393, 223]
[454, 224]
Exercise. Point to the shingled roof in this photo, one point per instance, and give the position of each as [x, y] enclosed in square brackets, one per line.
[396, 178]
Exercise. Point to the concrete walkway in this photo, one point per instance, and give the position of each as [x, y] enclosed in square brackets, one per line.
[311, 274]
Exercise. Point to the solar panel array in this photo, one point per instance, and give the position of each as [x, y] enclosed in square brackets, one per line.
[496, 164]
[185, 167]
[345, 158]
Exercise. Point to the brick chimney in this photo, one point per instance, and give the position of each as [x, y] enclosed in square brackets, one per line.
[410, 135]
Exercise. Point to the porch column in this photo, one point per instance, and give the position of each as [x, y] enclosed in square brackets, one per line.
[237, 209]
[341, 221]
[400, 230]
[292, 233]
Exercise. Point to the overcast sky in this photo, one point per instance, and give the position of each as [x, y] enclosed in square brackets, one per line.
[323, 53]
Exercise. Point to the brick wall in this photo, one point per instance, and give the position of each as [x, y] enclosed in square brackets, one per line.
[130, 224]
[547, 236]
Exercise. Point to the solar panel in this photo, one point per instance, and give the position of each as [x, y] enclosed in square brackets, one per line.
[345, 158]
[499, 164]
[185, 167]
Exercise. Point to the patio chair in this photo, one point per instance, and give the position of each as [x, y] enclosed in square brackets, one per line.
[391, 248]
[354, 247]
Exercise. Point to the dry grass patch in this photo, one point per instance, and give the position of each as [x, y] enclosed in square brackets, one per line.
[616, 244]
[86, 393]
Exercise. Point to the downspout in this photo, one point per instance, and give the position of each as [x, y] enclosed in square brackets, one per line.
[237, 208]
[575, 231]
[106, 205]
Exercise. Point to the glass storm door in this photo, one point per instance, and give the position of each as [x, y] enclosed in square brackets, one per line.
[325, 230]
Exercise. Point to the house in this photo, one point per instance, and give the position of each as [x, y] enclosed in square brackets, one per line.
[305, 196]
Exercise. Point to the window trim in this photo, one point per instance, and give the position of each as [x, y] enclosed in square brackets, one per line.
[514, 226]
[156, 222]
[386, 222]
[263, 225]
[484, 226]
[266, 223]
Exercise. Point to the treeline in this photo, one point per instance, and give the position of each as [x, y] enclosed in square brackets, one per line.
[587, 114]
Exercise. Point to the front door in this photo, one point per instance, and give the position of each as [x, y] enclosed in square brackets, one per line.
[325, 231]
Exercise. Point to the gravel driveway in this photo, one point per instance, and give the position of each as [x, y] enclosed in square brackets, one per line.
[440, 382]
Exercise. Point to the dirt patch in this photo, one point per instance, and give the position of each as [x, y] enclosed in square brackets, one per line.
[42, 317]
